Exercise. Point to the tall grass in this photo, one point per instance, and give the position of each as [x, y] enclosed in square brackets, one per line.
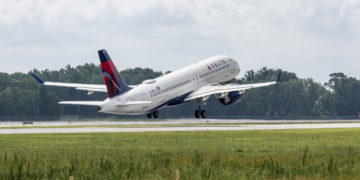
[293, 154]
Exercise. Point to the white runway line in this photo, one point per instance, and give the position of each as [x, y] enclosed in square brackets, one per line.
[174, 129]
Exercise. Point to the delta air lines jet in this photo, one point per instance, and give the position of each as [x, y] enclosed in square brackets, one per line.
[195, 82]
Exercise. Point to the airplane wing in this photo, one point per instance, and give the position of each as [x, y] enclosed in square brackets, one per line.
[91, 88]
[218, 89]
[97, 103]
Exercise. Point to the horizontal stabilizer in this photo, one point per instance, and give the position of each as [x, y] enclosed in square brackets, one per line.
[85, 103]
[134, 103]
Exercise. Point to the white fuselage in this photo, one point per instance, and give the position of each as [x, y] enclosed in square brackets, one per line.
[158, 92]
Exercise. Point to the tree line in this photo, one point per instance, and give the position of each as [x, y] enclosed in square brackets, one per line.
[22, 95]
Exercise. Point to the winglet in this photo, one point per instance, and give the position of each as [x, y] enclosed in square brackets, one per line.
[279, 77]
[38, 78]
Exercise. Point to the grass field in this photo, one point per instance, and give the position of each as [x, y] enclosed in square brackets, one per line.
[292, 154]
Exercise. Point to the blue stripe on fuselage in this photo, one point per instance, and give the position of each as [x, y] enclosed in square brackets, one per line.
[178, 100]
[172, 102]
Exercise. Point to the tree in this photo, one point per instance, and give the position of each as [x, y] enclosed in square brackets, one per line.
[343, 96]
[48, 103]
[21, 95]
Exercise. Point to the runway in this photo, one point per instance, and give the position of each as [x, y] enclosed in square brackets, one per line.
[209, 127]
[162, 122]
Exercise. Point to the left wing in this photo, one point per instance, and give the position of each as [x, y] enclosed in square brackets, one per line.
[91, 88]
[218, 89]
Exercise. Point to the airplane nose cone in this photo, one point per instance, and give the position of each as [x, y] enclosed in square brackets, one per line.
[236, 66]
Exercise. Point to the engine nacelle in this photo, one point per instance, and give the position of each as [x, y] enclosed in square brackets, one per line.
[231, 98]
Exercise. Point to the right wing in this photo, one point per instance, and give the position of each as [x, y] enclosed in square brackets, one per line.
[206, 91]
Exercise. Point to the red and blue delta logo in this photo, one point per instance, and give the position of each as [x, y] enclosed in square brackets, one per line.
[209, 68]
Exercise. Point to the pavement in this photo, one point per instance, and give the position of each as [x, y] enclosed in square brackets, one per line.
[179, 128]
[163, 122]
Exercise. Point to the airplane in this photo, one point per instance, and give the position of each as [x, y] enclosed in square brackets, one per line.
[197, 82]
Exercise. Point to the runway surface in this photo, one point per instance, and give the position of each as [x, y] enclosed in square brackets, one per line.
[207, 127]
[163, 122]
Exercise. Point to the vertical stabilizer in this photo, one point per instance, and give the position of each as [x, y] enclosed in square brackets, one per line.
[114, 83]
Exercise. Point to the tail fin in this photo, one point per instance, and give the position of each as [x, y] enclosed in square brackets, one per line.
[114, 83]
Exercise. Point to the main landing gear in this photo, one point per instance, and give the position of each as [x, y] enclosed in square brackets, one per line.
[154, 114]
[200, 113]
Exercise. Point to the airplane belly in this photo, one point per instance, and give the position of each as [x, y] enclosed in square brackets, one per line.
[138, 109]
[134, 109]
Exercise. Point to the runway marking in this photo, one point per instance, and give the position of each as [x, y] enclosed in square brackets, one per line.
[177, 129]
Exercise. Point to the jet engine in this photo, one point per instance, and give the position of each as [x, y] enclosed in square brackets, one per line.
[230, 97]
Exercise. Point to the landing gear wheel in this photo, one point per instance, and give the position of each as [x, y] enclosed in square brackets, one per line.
[149, 116]
[197, 114]
[203, 114]
[156, 114]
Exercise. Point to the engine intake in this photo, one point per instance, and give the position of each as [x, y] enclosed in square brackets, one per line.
[231, 98]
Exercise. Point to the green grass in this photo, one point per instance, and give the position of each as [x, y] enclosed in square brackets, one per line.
[275, 154]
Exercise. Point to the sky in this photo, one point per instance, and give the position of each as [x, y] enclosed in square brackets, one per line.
[312, 38]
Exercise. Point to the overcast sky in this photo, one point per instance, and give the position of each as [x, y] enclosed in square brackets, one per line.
[312, 38]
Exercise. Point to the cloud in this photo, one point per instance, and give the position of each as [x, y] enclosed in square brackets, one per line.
[301, 36]
[129, 8]
[14, 11]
